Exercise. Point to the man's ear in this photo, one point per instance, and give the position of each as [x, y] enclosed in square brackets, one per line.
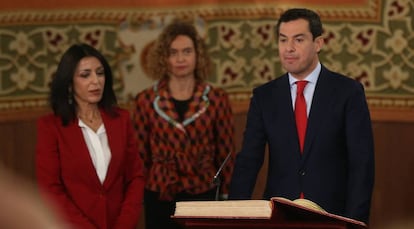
[319, 42]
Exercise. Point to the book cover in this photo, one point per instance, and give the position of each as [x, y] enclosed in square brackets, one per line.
[307, 210]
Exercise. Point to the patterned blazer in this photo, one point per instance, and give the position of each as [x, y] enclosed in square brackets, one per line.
[184, 156]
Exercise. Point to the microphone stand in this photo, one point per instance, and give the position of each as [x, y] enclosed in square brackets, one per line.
[216, 178]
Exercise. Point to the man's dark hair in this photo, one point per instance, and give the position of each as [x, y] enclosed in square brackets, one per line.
[315, 24]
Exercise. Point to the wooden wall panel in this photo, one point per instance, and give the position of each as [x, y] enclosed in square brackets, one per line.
[17, 143]
[394, 187]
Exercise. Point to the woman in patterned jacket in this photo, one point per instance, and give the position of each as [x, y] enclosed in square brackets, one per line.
[184, 126]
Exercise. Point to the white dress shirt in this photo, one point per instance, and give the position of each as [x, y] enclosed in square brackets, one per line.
[312, 78]
[98, 147]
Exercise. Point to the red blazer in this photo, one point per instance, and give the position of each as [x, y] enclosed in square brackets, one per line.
[65, 172]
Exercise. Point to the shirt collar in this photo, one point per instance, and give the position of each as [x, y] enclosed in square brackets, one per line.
[100, 130]
[311, 78]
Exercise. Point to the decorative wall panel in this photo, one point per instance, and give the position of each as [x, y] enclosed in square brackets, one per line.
[369, 40]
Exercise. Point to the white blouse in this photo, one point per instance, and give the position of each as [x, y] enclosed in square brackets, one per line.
[98, 147]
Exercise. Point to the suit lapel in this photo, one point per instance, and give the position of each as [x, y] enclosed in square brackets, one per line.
[112, 127]
[283, 111]
[319, 109]
[289, 114]
[79, 150]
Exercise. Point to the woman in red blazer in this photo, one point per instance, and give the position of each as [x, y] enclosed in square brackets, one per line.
[87, 160]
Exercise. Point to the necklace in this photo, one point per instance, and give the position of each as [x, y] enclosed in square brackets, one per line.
[187, 121]
[90, 120]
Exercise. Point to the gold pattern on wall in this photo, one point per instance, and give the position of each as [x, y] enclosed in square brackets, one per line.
[372, 42]
[29, 57]
[381, 56]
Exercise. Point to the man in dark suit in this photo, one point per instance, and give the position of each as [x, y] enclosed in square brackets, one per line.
[334, 166]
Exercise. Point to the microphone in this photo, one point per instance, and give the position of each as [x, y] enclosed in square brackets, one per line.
[216, 178]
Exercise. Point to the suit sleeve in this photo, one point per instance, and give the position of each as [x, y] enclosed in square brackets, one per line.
[134, 183]
[49, 177]
[250, 159]
[360, 156]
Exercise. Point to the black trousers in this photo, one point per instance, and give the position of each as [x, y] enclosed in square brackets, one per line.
[158, 212]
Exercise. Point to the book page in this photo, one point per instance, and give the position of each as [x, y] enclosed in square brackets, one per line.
[309, 204]
[224, 209]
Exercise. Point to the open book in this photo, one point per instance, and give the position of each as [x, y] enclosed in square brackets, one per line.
[277, 209]
[225, 209]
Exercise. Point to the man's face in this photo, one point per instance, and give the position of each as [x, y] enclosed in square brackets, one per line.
[298, 50]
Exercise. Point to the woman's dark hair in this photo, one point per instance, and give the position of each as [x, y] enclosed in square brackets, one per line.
[315, 24]
[61, 97]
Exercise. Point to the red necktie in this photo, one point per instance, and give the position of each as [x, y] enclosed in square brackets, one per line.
[300, 112]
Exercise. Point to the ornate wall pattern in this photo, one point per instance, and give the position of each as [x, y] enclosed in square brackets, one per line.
[29, 57]
[370, 40]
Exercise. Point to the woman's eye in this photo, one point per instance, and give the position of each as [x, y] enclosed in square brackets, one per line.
[84, 74]
[100, 72]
